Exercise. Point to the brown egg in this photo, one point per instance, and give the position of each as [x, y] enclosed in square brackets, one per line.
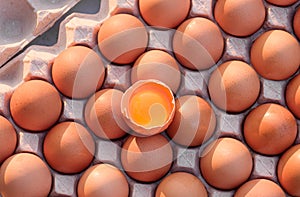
[296, 23]
[226, 163]
[275, 55]
[181, 184]
[25, 175]
[78, 72]
[288, 170]
[148, 107]
[292, 95]
[147, 159]
[270, 129]
[260, 187]
[159, 65]
[240, 18]
[194, 121]
[282, 2]
[35, 105]
[164, 13]
[8, 139]
[103, 180]
[198, 43]
[68, 147]
[231, 91]
[103, 114]
[122, 38]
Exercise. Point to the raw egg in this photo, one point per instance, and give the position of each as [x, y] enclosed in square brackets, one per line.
[194, 121]
[25, 175]
[159, 65]
[164, 13]
[8, 139]
[68, 147]
[198, 43]
[288, 170]
[35, 105]
[122, 38]
[275, 55]
[147, 159]
[148, 107]
[231, 91]
[240, 18]
[292, 95]
[103, 180]
[282, 2]
[103, 114]
[270, 129]
[296, 23]
[78, 72]
[260, 187]
[226, 163]
[181, 184]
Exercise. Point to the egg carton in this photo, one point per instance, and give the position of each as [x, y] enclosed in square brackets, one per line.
[81, 29]
[23, 20]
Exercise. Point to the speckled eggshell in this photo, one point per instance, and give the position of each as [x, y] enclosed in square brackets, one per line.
[146, 159]
[270, 129]
[103, 114]
[260, 187]
[159, 65]
[198, 43]
[194, 121]
[275, 55]
[240, 18]
[103, 180]
[181, 184]
[164, 13]
[78, 72]
[24, 174]
[35, 105]
[231, 91]
[288, 170]
[68, 147]
[296, 23]
[226, 163]
[292, 95]
[122, 38]
[282, 2]
[8, 139]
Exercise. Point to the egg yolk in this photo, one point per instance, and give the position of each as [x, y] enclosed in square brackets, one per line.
[150, 105]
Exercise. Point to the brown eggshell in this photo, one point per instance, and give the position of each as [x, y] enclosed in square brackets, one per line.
[148, 107]
[68, 147]
[260, 187]
[296, 23]
[35, 105]
[159, 65]
[270, 129]
[25, 175]
[103, 180]
[240, 18]
[194, 121]
[181, 184]
[231, 91]
[282, 2]
[274, 59]
[226, 163]
[288, 170]
[8, 139]
[78, 72]
[198, 43]
[103, 114]
[164, 13]
[122, 38]
[292, 95]
[146, 159]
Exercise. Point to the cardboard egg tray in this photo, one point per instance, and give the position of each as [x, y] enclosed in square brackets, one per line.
[23, 20]
[81, 29]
